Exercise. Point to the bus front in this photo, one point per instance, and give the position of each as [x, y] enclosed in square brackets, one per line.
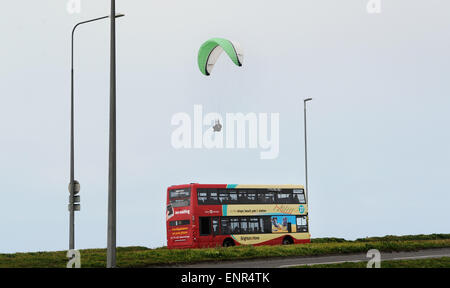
[179, 217]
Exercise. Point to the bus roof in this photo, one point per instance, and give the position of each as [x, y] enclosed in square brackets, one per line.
[256, 186]
[245, 186]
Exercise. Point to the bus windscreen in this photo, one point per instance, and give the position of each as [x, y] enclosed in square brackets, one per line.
[180, 193]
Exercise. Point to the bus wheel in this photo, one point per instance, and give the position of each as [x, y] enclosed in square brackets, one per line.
[288, 240]
[228, 242]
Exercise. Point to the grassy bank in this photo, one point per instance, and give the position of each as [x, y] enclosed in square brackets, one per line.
[385, 238]
[443, 262]
[144, 257]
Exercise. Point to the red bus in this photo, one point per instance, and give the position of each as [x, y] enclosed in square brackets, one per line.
[203, 215]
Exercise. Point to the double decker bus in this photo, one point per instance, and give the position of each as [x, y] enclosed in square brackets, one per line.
[203, 215]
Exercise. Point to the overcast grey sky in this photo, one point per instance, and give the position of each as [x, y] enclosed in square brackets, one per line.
[378, 125]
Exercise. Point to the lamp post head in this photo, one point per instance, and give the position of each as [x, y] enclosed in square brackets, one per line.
[119, 15]
[307, 99]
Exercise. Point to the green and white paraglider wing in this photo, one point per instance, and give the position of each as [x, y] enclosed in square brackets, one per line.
[211, 50]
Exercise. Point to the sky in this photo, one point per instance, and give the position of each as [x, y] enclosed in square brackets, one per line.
[378, 141]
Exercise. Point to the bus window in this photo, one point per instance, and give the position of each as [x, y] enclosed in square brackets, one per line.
[215, 225]
[253, 225]
[267, 225]
[261, 225]
[244, 225]
[202, 197]
[284, 197]
[180, 197]
[260, 197]
[225, 226]
[242, 196]
[302, 225]
[233, 197]
[180, 193]
[269, 197]
[234, 225]
[299, 196]
[212, 197]
[224, 197]
[251, 196]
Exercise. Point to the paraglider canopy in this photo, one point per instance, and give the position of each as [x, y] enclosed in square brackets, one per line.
[211, 50]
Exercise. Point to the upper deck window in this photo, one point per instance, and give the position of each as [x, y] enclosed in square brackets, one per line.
[180, 197]
[202, 197]
[299, 196]
[250, 196]
[269, 197]
[224, 197]
[180, 193]
[284, 197]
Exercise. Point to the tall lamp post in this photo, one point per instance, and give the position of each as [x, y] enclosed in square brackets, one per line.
[111, 234]
[74, 186]
[306, 149]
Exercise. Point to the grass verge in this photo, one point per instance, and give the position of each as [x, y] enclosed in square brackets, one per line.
[443, 262]
[128, 257]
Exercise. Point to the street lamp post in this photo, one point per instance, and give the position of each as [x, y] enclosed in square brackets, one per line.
[73, 184]
[111, 234]
[306, 149]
